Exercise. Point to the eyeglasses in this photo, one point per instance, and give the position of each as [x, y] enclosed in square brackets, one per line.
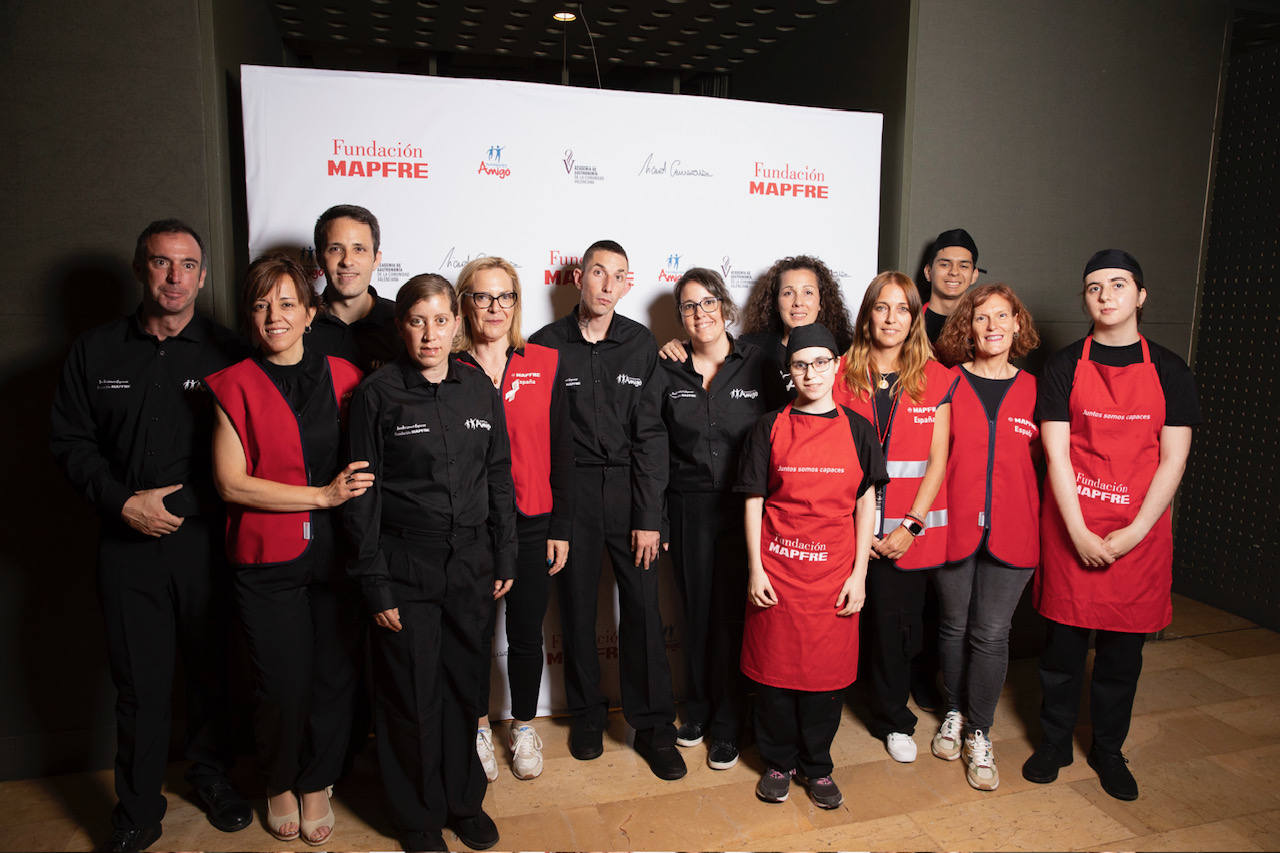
[821, 364]
[484, 300]
[708, 304]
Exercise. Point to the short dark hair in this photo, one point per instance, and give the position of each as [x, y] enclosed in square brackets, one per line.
[348, 211]
[711, 280]
[262, 276]
[164, 226]
[420, 287]
[603, 246]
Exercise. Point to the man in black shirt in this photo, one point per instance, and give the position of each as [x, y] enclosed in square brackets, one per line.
[952, 269]
[131, 425]
[356, 324]
[620, 457]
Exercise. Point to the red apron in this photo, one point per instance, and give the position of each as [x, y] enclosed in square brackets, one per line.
[1116, 417]
[807, 548]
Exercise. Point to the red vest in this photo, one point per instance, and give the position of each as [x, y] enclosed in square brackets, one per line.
[906, 456]
[526, 401]
[272, 442]
[991, 483]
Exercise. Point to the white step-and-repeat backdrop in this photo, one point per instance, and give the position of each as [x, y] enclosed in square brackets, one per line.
[455, 169]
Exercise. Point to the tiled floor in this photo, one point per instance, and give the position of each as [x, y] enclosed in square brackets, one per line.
[1205, 748]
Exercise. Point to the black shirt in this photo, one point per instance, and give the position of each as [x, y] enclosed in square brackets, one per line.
[605, 383]
[308, 389]
[990, 391]
[776, 352]
[705, 428]
[753, 470]
[442, 460]
[1181, 400]
[933, 324]
[368, 343]
[132, 412]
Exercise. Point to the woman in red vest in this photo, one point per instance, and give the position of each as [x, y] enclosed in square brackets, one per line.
[808, 471]
[541, 465]
[277, 463]
[889, 376]
[1116, 412]
[993, 506]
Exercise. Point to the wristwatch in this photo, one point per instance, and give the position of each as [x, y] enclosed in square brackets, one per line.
[913, 527]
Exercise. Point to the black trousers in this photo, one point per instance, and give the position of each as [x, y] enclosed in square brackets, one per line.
[891, 634]
[526, 608]
[602, 524]
[1117, 663]
[708, 550]
[427, 677]
[795, 728]
[303, 625]
[161, 598]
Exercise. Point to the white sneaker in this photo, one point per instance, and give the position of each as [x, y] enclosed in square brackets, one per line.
[901, 747]
[484, 748]
[526, 747]
[980, 757]
[946, 743]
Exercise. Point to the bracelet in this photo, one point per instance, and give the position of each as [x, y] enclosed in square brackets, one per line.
[913, 516]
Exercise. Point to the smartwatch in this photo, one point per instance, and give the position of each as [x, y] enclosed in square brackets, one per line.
[913, 527]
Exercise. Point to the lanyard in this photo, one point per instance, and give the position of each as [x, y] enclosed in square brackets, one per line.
[882, 433]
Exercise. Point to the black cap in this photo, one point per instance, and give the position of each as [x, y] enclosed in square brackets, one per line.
[1114, 259]
[955, 237]
[812, 335]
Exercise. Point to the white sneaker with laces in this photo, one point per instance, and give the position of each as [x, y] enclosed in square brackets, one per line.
[526, 749]
[947, 742]
[980, 757]
[484, 748]
[901, 747]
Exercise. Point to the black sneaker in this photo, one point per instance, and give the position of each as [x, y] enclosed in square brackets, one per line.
[823, 792]
[421, 842]
[774, 786]
[690, 734]
[664, 759]
[134, 838]
[1114, 774]
[1043, 765]
[478, 832]
[722, 755]
[223, 805]
[586, 740]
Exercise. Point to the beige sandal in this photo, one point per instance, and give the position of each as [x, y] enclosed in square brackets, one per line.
[276, 821]
[309, 827]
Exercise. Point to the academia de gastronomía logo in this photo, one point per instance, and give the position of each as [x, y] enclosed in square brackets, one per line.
[375, 160]
[804, 182]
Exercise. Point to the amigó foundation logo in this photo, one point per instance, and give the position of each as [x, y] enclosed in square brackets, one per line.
[492, 164]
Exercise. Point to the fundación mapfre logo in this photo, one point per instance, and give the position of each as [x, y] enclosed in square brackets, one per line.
[670, 273]
[735, 277]
[492, 164]
[786, 180]
[374, 159]
[579, 173]
[560, 267]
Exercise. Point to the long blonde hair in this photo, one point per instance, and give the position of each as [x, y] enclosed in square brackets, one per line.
[860, 373]
[466, 284]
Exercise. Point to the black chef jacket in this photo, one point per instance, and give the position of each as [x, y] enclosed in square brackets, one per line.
[368, 343]
[605, 383]
[442, 460]
[705, 428]
[132, 412]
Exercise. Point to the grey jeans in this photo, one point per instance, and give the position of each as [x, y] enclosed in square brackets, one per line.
[976, 600]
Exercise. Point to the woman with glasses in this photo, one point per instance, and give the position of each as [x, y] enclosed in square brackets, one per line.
[541, 465]
[794, 292]
[889, 376]
[708, 403]
[808, 472]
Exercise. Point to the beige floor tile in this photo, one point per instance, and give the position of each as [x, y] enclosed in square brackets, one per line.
[1262, 828]
[43, 835]
[1244, 643]
[1170, 654]
[898, 832]
[1261, 764]
[1222, 835]
[1191, 618]
[1254, 676]
[1181, 734]
[579, 828]
[1169, 689]
[1256, 716]
[709, 819]
[1051, 818]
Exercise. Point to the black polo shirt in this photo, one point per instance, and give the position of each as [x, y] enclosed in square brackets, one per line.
[706, 427]
[368, 343]
[132, 412]
[442, 460]
[605, 383]
[771, 345]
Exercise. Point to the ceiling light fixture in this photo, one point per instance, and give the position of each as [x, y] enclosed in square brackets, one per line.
[565, 16]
